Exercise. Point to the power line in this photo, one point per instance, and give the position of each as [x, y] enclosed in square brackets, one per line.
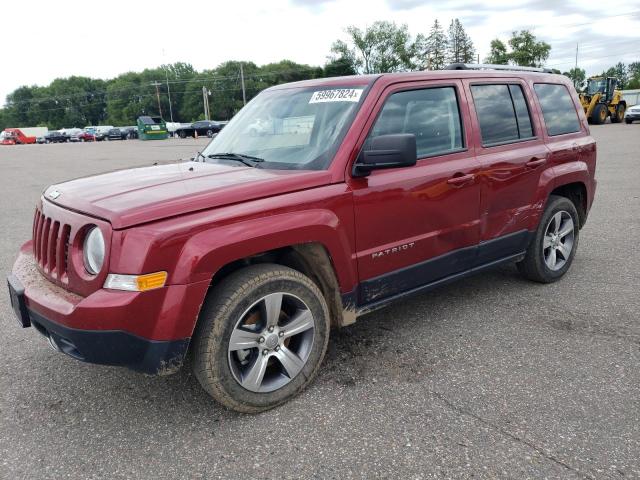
[198, 79]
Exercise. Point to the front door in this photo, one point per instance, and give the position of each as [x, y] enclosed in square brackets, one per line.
[419, 224]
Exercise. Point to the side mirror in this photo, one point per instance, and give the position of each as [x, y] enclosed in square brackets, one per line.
[386, 151]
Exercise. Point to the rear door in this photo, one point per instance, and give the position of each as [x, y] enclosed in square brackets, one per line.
[419, 224]
[512, 154]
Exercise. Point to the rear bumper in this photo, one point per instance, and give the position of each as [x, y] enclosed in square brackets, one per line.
[144, 331]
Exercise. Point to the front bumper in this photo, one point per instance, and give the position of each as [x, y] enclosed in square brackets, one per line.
[632, 116]
[144, 331]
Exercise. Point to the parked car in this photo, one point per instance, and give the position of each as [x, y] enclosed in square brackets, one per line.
[55, 136]
[86, 136]
[116, 134]
[248, 254]
[632, 114]
[130, 132]
[75, 137]
[203, 128]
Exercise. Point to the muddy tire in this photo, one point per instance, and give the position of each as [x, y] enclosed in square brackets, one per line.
[554, 243]
[260, 338]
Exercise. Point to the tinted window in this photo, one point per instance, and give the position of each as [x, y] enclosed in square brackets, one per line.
[502, 113]
[522, 111]
[432, 115]
[557, 108]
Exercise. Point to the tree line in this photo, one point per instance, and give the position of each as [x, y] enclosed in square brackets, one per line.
[176, 90]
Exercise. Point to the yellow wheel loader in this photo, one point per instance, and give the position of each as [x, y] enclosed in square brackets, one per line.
[601, 100]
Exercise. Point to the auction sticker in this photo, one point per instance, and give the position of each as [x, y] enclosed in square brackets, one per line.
[339, 95]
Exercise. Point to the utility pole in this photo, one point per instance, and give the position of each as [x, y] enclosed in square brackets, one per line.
[169, 94]
[576, 56]
[157, 84]
[205, 101]
[244, 95]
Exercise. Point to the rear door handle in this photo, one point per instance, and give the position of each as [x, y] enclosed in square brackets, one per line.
[536, 162]
[459, 179]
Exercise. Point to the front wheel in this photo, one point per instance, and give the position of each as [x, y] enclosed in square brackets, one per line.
[618, 116]
[261, 337]
[554, 243]
[599, 115]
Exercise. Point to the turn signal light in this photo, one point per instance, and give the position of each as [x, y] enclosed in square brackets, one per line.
[136, 283]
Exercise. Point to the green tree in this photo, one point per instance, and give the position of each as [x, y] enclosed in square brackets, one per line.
[577, 76]
[460, 48]
[339, 67]
[527, 51]
[498, 53]
[382, 47]
[436, 47]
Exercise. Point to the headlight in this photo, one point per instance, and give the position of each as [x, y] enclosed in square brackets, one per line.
[93, 251]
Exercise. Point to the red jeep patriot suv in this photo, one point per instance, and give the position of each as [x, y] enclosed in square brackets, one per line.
[320, 201]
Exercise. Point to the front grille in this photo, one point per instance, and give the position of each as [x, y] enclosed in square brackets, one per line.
[51, 246]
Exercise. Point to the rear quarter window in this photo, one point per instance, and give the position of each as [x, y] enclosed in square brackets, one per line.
[502, 113]
[558, 110]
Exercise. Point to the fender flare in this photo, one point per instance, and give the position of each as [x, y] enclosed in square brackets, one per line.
[206, 252]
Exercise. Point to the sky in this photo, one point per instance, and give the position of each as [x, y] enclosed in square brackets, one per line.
[44, 40]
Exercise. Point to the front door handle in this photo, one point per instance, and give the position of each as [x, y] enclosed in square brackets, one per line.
[536, 162]
[459, 179]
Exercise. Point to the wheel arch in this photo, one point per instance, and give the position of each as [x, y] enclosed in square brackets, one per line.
[311, 259]
[577, 193]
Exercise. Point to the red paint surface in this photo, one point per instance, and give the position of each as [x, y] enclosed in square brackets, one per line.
[191, 219]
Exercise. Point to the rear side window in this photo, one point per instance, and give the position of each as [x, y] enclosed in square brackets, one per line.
[431, 114]
[558, 109]
[502, 113]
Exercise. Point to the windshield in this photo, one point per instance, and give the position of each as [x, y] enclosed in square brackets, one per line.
[291, 128]
[595, 86]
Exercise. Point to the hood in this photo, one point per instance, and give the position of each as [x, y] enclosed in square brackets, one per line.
[130, 197]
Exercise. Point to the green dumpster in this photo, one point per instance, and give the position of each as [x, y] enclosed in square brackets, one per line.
[152, 128]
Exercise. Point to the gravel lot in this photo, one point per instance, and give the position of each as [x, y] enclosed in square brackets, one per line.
[489, 377]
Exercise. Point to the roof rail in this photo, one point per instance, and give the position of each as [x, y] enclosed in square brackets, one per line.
[488, 66]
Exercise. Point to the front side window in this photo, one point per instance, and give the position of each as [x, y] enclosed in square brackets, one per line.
[431, 114]
[558, 109]
[294, 128]
[502, 113]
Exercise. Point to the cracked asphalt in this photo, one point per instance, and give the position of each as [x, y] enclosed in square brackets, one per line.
[490, 377]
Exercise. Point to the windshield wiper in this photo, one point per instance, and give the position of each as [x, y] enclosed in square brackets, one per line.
[248, 160]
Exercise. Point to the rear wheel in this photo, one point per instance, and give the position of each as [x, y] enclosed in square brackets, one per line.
[618, 116]
[260, 338]
[599, 115]
[181, 134]
[209, 133]
[554, 243]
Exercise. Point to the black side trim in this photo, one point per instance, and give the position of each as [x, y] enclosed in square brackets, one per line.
[114, 347]
[441, 270]
[501, 247]
[370, 307]
[413, 276]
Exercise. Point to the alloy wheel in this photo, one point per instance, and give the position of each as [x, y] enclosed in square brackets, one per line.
[271, 342]
[558, 240]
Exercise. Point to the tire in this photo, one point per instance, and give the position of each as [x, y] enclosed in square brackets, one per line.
[628, 121]
[536, 263]
[181, 134]
[599, 114]
[241, 301]
[209, 133]
[619, 115]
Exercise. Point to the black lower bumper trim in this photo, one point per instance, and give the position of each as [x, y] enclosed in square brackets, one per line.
[114, 347]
